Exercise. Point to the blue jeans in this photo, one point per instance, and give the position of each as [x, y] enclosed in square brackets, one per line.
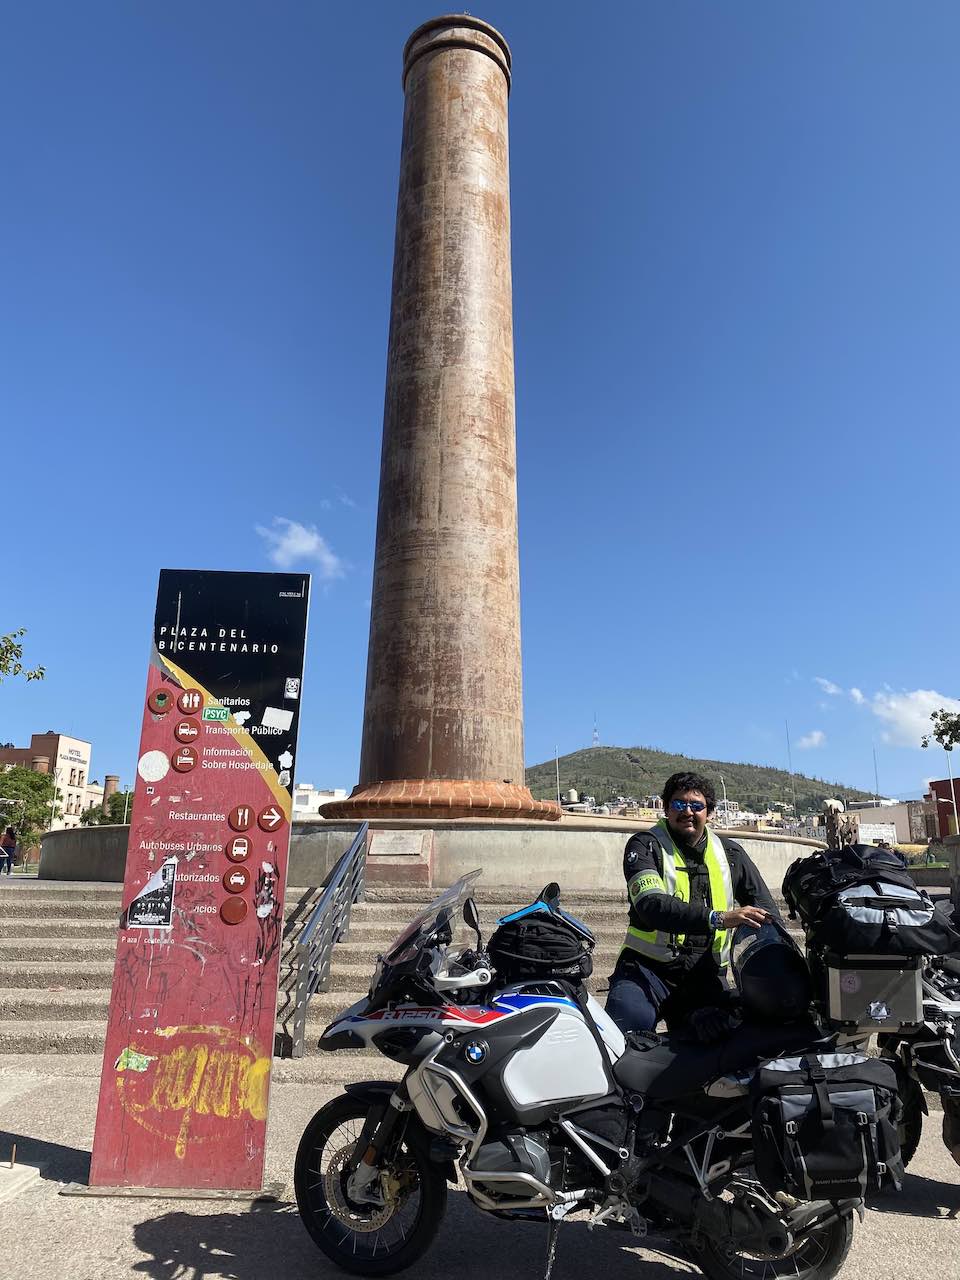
[635, 998]
[638, 997]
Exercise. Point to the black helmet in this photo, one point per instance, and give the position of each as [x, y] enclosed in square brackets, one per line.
[770, 972]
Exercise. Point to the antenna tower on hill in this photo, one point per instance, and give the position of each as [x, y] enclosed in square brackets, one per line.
[596, 732]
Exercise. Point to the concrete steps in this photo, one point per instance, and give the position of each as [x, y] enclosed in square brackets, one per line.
[90, 1004]
[57, 947]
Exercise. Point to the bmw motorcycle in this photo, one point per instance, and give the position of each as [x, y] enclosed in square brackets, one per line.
[929, 1057]
[529, 1094]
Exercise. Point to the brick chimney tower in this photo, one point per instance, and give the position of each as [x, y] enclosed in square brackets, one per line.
[443, 717]
[111, 784]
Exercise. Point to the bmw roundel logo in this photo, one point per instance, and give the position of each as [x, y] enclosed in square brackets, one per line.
[475, 1052]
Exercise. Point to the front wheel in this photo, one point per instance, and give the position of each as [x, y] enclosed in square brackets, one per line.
[818, 1256]
[367, 1240]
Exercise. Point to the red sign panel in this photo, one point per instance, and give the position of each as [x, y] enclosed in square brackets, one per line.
[186, 1070]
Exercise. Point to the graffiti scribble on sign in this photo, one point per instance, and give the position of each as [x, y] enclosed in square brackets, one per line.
[201, 1073]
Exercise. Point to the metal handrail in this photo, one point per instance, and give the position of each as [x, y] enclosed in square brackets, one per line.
[329, 924]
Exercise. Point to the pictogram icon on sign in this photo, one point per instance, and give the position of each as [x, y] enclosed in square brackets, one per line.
[236, 879]
[270, 818]
[233, 910]
[160, 702]
[184, 759]
[238, 849]
[186, 731]
[190, 701]
[241, 818]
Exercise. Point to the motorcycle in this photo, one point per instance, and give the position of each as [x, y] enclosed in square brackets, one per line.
[529, 1091]
[929, 1057]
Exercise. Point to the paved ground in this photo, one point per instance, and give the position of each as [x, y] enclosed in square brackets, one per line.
[911, 1237]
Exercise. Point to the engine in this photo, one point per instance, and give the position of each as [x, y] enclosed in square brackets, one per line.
[510, 1155]
[513, 1152]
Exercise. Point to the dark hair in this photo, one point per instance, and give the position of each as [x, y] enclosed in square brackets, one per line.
[689, 782]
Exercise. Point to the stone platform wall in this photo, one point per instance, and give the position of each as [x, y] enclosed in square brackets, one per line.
[578, 852]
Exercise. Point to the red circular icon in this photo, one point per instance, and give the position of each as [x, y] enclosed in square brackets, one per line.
[238, 849]
[160, 702]
[184, 759]
[241, 818]
[270, 818]
[233, 910]
[190, 701]
[187, 731]
[236, 879]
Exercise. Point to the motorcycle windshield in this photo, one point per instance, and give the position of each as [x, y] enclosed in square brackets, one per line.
[423, 926]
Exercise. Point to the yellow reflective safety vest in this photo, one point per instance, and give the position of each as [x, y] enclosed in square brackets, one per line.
[662, 948]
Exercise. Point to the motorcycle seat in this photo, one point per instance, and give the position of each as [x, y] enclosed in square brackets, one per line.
[671, 1066]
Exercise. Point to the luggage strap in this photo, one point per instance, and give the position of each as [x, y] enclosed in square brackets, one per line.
[817, 1079]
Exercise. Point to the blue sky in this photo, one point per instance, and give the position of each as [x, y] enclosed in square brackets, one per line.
[736, 287]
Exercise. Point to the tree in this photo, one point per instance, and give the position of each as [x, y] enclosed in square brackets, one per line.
[119, 802]
[946, 729]
[26, 803]
[11, 654]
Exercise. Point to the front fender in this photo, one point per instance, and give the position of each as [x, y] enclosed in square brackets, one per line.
[372, 1090]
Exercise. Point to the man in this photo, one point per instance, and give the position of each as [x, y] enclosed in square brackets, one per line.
[688, 889]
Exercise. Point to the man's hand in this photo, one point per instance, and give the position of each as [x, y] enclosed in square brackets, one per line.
[753, 916]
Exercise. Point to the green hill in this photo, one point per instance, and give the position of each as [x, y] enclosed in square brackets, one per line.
[607, 772]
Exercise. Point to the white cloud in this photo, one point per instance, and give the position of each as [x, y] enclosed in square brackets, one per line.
[907, 713]
[828, 686]
[289, 543]
[346, 500]
[857, 696]
[815, 738]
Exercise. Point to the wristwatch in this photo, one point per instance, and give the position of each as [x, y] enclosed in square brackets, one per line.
[716, 920]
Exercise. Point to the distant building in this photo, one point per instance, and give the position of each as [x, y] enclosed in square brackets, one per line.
[942, 802]
[307, 799]
[911, 818]
[67, 760]
[94, 795]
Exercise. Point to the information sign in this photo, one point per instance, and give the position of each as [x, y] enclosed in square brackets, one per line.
[186, 1070]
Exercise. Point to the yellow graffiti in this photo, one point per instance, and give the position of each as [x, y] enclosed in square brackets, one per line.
[198, 1080]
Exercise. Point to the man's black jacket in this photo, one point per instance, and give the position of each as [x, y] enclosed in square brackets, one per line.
[661, 912]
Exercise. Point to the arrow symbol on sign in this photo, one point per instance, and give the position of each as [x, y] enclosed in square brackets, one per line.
[271, 818]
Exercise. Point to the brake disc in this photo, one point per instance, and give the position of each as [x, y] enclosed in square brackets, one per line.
[358, 1218]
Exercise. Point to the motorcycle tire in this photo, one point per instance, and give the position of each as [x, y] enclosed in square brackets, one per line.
[819, 1256]
[951, 1126]
[911, 1121]
[361, 1239]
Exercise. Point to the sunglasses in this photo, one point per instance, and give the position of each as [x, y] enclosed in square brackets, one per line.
[695, 806]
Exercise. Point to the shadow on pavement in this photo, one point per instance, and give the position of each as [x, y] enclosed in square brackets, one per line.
[59, 1163]
[920, 1198]
[269, 1239]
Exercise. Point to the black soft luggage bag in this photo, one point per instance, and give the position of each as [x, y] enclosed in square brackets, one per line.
[825, 1125]
[860, 900]
[540, 947]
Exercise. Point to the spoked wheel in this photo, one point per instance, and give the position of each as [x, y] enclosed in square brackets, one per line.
[818, 1256]
[369, 1240]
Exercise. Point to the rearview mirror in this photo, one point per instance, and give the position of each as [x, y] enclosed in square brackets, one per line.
[472, 918]
[551, 895]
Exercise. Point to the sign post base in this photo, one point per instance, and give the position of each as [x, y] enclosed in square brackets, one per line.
[271, 1193]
